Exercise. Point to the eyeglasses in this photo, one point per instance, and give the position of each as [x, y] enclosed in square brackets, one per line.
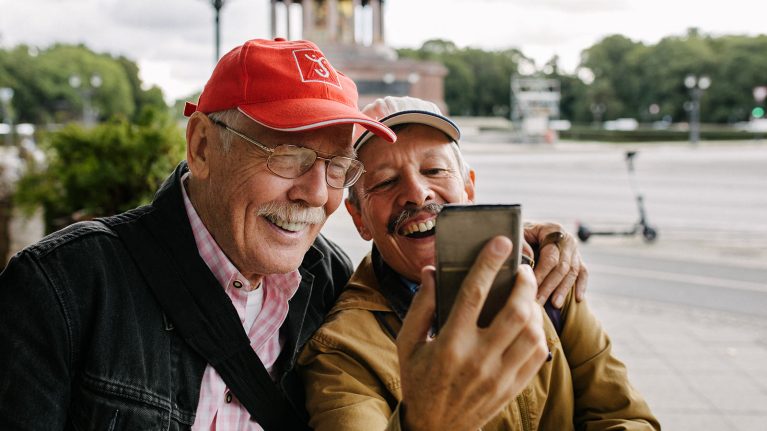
[292, 161]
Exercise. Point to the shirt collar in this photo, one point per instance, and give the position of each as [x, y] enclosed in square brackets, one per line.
[398, 290]
[222, 268]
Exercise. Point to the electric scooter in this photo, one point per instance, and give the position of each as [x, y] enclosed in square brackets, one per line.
[648, 232]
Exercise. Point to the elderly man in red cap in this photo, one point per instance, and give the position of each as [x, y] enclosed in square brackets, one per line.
[189, 313]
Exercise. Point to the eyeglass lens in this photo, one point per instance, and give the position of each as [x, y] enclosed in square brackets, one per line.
[290, 161]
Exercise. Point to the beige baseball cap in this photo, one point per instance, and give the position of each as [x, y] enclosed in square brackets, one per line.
[392, 111]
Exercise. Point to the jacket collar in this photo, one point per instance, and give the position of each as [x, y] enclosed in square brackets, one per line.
[375, 286]
[394, 288]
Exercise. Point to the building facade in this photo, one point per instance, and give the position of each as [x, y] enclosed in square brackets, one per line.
[351, 34]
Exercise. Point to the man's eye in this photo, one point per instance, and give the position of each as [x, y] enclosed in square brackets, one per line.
[382, 185]
[435, 171]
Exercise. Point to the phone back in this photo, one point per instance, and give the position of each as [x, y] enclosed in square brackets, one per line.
[461, 232]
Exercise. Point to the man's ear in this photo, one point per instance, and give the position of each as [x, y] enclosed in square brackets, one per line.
[199, 130]
[357, 218]
[469, 186]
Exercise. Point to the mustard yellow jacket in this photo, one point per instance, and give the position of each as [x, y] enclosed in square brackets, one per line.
[351, 372]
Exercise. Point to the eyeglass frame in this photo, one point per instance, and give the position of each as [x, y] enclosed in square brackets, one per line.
[270, 152]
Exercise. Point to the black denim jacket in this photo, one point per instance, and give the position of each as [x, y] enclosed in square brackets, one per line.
[84, 344]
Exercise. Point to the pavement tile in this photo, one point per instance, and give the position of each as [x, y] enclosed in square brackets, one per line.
[728, 391]
[748, 422]
[698, 369]
[687, 420]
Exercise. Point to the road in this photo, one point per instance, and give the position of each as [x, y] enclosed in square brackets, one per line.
[708, 203]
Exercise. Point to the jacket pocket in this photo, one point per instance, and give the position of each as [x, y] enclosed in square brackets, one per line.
[109, 406]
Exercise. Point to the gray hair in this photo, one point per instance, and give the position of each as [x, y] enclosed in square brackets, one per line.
[230, 117]
[464, 168]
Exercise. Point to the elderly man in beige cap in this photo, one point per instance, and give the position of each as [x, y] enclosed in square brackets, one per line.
[373, 365]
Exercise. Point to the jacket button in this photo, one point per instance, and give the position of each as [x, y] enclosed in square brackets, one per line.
[228, 397]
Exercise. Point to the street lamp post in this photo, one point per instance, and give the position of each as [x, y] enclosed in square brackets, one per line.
[597, 110]
[217, 5]
[90, 114]
[6, 95]
[696, 86]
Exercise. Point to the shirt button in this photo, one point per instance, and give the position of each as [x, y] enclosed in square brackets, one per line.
[228, 397]
[237, 284]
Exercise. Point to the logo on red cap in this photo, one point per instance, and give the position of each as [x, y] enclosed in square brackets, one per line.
[314, 67]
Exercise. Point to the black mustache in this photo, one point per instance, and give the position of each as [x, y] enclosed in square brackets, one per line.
[406, 213]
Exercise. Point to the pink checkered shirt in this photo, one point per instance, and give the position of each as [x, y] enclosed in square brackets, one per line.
[262, 311]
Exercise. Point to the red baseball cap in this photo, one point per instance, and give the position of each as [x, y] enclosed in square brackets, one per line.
[284, 85]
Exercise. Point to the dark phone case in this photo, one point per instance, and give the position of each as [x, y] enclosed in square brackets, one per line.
[461, 232]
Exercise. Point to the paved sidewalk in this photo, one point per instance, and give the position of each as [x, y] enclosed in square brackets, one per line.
[698, 369]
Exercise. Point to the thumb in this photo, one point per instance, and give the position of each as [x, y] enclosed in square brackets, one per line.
[419, 318]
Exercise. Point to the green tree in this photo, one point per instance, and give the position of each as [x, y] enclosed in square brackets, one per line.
[110, 168]
[669, 62]
[615, 75]
[152, 97]
[741, 65]
[478, 81]
[574, 102]
[43, 94]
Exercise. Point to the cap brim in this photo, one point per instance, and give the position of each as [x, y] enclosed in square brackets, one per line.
[309, 114]
[416, 117]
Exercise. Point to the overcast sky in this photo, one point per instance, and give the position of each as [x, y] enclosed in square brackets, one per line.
[172, 40]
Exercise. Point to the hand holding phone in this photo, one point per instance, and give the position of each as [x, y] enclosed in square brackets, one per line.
[461, 232]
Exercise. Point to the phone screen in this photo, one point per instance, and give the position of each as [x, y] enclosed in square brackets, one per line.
[461, 232]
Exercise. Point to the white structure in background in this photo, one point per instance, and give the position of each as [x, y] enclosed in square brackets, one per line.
[17, 229]
[534, 104]
[622, 124]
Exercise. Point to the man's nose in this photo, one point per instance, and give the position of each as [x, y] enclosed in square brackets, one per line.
[311, 187]
[415, 191]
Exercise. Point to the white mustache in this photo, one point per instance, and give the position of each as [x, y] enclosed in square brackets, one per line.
[292, 212]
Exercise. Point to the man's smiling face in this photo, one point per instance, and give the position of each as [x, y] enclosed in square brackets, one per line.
[401, 192]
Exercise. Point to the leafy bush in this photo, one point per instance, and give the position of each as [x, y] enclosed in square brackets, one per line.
[101, 171]
[586, 133]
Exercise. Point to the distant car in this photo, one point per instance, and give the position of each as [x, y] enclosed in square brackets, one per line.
[25, 129]
[560, 125]
[758, 125]
[622, 124]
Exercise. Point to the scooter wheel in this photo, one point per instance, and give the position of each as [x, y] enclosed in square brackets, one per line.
[649, 234]
[583, 233]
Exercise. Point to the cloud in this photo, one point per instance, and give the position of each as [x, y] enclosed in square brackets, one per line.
[569, 6]
[580, 6]
[166, 16]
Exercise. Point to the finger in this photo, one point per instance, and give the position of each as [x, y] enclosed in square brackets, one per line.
[527, 249]
[580, 283]
[528, 367]
[560, 294]
[517, 311]
[551, 258]
[547, 272]
[476, 285]
[418, 320]
[531, 232]
[528, 350]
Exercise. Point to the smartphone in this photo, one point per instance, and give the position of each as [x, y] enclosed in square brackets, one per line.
[461, 232]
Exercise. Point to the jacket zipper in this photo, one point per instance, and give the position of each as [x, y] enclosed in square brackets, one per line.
[524, 412]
